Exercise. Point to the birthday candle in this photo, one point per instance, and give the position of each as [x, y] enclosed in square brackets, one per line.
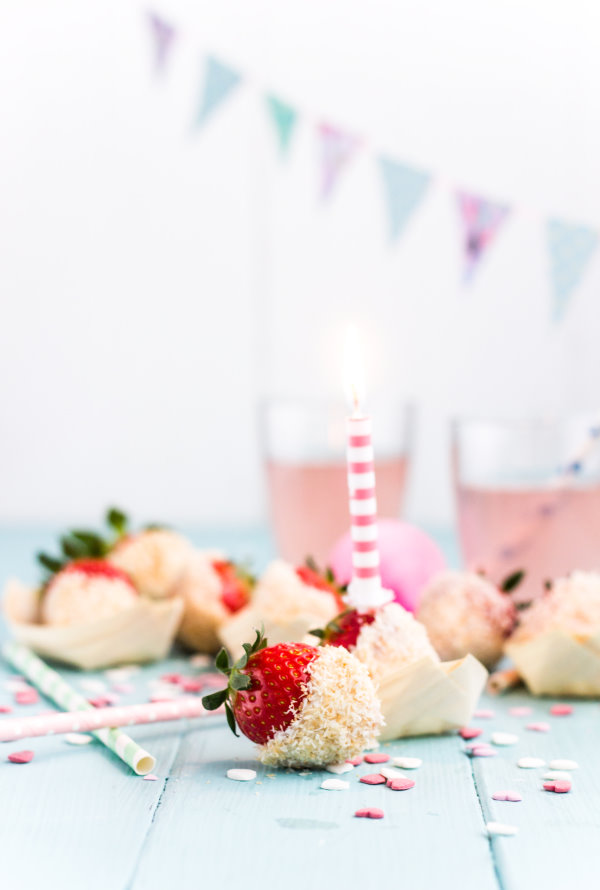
[365, 589]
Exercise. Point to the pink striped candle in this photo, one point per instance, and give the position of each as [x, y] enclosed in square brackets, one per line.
[365, 590]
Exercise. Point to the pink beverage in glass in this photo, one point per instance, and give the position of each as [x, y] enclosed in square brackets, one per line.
[304, 443]
[528, 497]
[547, 533]
[309, 503]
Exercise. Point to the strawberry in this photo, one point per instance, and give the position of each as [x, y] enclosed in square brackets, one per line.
[94, 568]
[344, 629]
[311, 575]
[236, 584]
[265, 688]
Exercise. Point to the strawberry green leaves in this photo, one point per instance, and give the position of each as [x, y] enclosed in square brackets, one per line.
[512, 581]
[236, 679]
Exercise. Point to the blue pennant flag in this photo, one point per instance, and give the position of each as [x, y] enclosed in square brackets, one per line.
[404, 189]
[284, 118]
[571, 248]
[219, 81]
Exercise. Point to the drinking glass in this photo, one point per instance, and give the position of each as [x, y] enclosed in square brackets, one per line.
[304, 445]
[528, 497]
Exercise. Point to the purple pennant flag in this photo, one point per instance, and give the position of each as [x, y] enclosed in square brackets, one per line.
[481, 221]
[163, 35]
[336, 148]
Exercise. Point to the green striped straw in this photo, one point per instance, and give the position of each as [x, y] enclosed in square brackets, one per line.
[54, 687]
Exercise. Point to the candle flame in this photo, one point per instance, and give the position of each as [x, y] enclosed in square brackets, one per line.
[354, 372]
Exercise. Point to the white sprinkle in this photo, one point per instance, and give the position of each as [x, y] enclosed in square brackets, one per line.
[339, 768]
[557, 775]
[335, 785]
[241, 775]
[531, 762]
[504, 738]
[200, 661]
[501, 829]
[305, 772]
[563, 764]
[390, 772]
[77, 738]
[88, 684]
[120, 675]
[407, 762]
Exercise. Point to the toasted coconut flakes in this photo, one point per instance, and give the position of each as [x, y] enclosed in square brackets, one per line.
[337, 720]
[392, 641]
[572, 605]
[156, 560]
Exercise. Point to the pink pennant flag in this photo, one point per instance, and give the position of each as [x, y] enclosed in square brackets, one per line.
[336, 148]
[163, 35]
[481, 220]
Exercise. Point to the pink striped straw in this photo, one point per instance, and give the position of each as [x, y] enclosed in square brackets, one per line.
[98, 718]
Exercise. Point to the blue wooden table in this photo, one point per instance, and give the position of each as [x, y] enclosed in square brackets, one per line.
[78, 818]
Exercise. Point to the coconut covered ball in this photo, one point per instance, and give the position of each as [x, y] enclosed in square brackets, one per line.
[155, 560]
[287, 602]
[465, 613]
[213, 589]
[572, 605]
[85, 591]
[304, 706]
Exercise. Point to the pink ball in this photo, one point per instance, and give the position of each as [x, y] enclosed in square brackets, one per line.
[409, 559]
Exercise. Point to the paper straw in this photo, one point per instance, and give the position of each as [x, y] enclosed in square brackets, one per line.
[54, 687]
[15, 728]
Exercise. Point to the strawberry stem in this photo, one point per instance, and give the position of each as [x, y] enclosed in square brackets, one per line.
[236, 678]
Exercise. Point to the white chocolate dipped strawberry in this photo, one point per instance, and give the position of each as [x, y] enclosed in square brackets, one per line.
[86, 590]
[156, 559]
[303, 705]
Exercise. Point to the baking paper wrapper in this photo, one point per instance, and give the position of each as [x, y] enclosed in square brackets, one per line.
[141, 633]
[558, 663]
[242, 627]
[430, 697]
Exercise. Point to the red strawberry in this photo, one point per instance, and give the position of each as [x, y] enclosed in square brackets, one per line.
[344, 629]
[95, 568]
[325, 581]
[265, 687]
[236, 584]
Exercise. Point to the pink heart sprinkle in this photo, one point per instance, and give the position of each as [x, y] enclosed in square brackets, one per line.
[5, 709]
[356, 761]
[483, 751]
[484, 714]
[150, 778]
[190, 684]
[377, 758]
[513, 796]
[470, 732]
[559, 787]
[561, 710]
[101, 701]
[27, 697]
[21, 756]
[400, 784]
[538, 727]
[172, 678]
[373, 779]
[369, 813]
[521, 711]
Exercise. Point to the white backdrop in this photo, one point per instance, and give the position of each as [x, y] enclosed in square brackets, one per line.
[155, 282]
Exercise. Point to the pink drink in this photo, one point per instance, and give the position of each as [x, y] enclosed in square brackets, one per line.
[309, 503]
[546, 532]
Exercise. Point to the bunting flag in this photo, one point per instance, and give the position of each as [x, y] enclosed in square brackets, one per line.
[571, 248]
[404, 188]
[163, 35]
[336, 148]
[284, 118]
[219, 81]
[481, 220]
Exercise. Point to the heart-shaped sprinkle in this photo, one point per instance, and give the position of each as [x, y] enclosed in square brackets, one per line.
[470, 732]
[400, 784]
[559, 787]
[369, 813]
[356, 761]
[484, 714]
[499, 828]
[520, 711]
[27, 697]
[530, 762]
[407, 762]
[482, 751]
[377, 758]
[504, 738]
[373, 779]
[540, 726]
[335, 785]
[21, 756]
[512, 796]
[339, 768]
[563, 764]
[561, 710]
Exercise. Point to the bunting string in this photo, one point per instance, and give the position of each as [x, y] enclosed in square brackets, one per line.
[570, 246]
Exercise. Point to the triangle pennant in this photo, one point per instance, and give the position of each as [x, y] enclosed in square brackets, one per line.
[481, 219]
[404, 189]
[336, 148]
[219, 80]
[163, 35]
[571, 248]
[284, 118]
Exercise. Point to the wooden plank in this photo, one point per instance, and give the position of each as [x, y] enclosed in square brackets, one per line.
[557, 844]
[283, 830]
